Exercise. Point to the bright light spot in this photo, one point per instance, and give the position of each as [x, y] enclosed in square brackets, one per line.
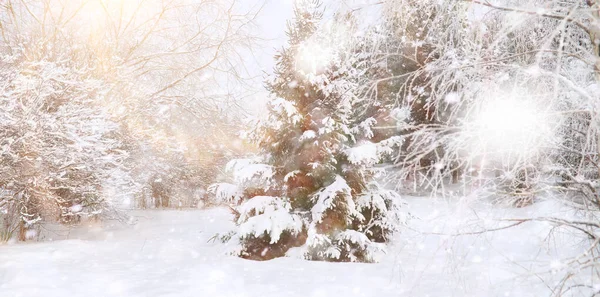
[555, 264]
[76, 208]
[510, 125]
[321, 50]
[30, 234]
[95, 14]
[452, 98]
[313, 57]
[507, 122]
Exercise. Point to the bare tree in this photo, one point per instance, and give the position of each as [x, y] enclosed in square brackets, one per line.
[117, 76]
[495, 94]
[512, 88]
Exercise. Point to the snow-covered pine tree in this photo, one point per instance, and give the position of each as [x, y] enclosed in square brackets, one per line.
[312, 188]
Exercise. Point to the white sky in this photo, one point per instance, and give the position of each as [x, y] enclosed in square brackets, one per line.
[272, 23]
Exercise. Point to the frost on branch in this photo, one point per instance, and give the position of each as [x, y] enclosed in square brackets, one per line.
[58, 146]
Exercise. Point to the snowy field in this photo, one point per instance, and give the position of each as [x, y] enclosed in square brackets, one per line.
[169, 253]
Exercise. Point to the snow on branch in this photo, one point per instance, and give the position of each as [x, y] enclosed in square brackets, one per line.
[328, 196]
[266, 214]
[225, 192]
[369, 153]
[247, 171]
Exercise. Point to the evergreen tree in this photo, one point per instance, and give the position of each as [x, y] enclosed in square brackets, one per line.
[313, 186]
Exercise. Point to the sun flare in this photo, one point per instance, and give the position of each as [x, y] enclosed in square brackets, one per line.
[313, 57]
[510, 125]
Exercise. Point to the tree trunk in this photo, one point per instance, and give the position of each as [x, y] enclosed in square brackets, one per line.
[22, 231]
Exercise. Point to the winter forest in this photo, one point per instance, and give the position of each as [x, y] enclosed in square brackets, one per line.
[299, 148]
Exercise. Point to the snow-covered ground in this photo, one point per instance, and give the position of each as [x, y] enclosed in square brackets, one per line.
[169, 253]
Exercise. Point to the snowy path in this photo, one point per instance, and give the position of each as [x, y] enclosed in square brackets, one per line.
[168, 254]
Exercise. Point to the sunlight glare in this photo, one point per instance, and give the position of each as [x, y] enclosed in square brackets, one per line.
[511, 125]
[96, 13]
[313, 57]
